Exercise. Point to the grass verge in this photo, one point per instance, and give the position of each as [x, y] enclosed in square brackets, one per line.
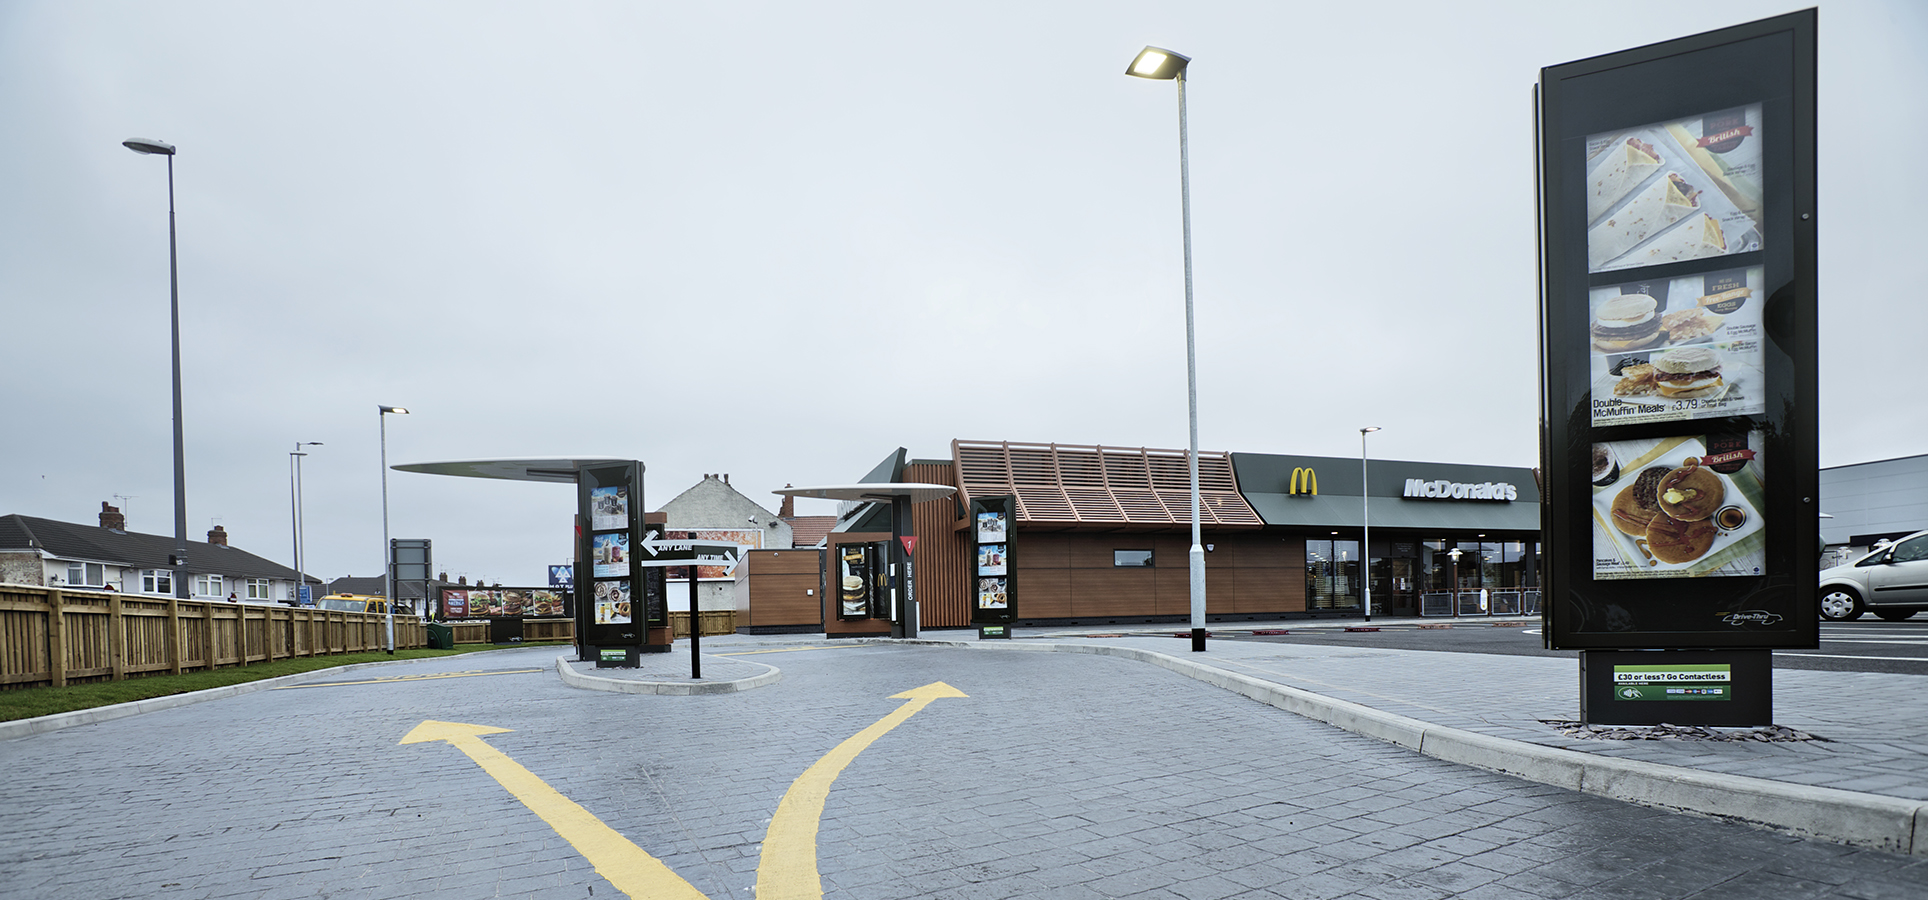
[45, 701]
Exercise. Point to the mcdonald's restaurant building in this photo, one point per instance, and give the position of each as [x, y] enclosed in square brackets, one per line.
[1101, 535]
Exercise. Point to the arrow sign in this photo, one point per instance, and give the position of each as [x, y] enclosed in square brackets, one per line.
[788, 867]
[631, 870]
[665, 554]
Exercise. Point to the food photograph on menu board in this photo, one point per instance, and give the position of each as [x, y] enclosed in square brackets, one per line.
[992, 593]
[1679, 507]
[990, 559]
[608, 508]
[612, 603]
[610, 554]
[1672, 191]
[991, 527]
[853, 582]
[1677, 349]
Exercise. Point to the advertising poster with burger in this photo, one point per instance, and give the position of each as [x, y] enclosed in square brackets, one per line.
[1679, 507]
[1675, 349]
[1673, 191]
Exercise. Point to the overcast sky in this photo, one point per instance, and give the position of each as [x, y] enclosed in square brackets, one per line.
[780, 240]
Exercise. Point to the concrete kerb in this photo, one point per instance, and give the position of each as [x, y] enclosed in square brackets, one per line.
[20, 728]
[576, 679]
[1847, 817]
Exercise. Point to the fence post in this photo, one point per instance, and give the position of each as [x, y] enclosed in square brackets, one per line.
[56, 641]
[207, 614]
[116, 638]
[176, 636]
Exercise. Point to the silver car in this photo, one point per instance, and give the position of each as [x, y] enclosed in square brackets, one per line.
[1891, 582]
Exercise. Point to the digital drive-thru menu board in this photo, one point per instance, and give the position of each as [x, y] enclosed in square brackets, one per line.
[1678, 318]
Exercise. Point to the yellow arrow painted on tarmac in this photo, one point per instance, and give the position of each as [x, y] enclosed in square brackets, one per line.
[788, 868]
[631, 870]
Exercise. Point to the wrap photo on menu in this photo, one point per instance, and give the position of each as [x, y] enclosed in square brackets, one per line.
[1696, 238]
[1662, 203]
[1672, 191]
[1621, 169]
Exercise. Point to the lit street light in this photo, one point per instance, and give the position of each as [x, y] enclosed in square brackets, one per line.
[1164, 65]
[179, 562]
[388, 570]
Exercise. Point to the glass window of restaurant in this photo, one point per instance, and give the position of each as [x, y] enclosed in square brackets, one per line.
[1491, 564]
[1331, 574]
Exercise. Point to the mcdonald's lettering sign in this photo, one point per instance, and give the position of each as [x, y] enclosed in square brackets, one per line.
[1304, 481]
[1420, 488]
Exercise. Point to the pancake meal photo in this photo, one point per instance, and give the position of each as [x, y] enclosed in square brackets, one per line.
[1677, 511]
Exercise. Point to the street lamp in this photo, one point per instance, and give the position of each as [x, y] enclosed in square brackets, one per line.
[388, 571]
[179, 562]
[1455, 553]
[1163, 65]
[1365, 518]
[294, 498]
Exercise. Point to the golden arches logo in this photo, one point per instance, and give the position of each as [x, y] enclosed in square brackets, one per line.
[1304, 481]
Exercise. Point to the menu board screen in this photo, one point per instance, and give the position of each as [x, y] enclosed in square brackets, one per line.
[1679, 507]
[1675, 349]
[1672, 191]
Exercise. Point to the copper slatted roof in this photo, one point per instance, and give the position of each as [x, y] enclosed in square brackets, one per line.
[1067, 485]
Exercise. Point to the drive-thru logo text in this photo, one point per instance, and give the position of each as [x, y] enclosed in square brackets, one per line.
[1422, 489]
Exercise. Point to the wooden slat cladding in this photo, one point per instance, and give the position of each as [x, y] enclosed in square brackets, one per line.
[944, 565]
[1069, 485]
[1073, 576]
[780, 588]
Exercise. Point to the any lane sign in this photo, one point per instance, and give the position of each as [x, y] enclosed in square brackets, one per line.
[662, 554]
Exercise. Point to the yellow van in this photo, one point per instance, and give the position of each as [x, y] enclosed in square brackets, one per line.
[361, 603]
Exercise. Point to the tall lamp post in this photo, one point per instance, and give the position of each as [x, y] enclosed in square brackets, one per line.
[1164, 65]
[294, 502]
[388, 571]
[1365, 518]
[179, 562]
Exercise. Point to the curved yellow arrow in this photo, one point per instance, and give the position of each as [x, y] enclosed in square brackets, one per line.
[788, 867]
[631, 870]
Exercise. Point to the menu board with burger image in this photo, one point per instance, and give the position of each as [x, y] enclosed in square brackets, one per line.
[1674, 349]
[1679, 507]
[854, 567]
[1677, 190]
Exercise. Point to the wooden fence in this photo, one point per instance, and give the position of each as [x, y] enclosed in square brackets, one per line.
[715, 621]
[52, 636]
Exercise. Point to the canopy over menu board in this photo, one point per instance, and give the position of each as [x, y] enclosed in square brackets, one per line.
[1679, 302]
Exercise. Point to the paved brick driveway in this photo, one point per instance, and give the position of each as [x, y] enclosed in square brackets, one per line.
[1061, 776]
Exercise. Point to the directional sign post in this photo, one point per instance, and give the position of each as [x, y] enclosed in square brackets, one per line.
[664, 553]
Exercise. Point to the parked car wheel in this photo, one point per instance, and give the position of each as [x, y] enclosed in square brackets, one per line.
[1894, 615]
[1840, 605]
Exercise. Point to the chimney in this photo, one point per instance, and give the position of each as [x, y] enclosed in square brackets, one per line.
[444, 578]
[789, 508]
[111, 518]
[726, 478]
[219, 536]
[462, 580]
